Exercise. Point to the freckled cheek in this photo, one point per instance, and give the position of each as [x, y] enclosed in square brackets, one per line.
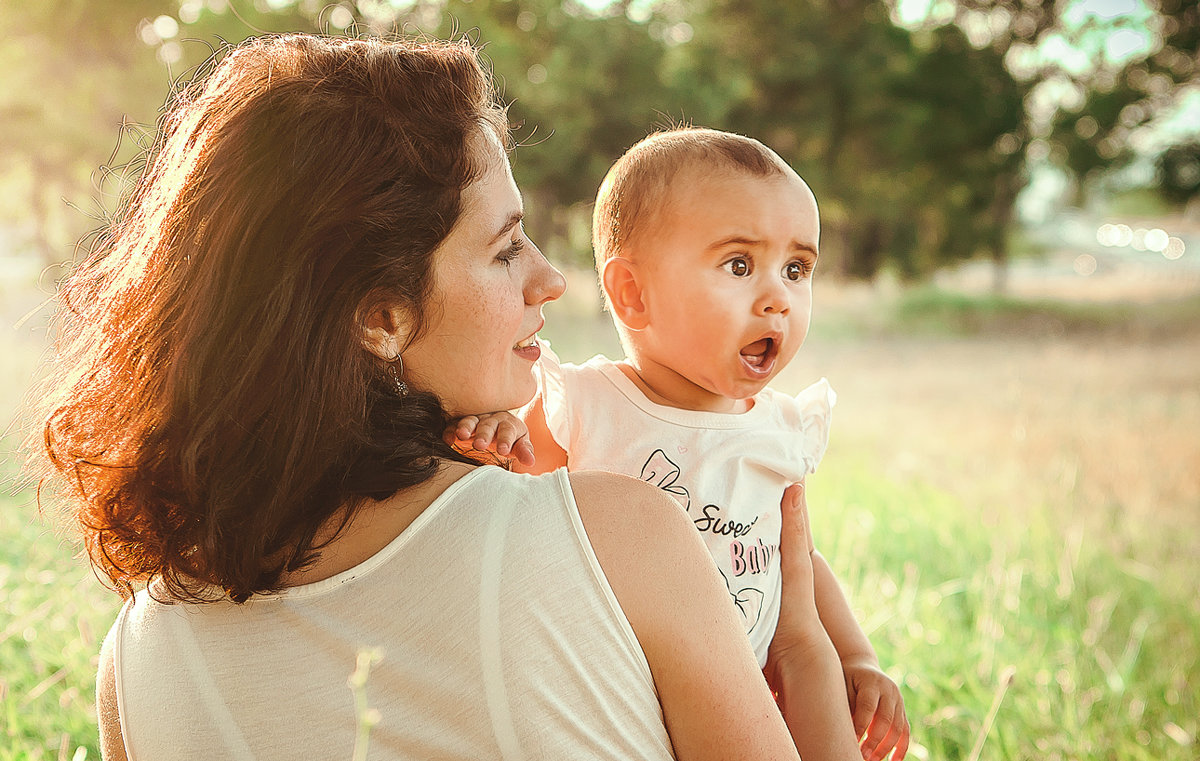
[496, 323]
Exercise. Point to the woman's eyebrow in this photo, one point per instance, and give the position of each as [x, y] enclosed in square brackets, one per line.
[512, 219]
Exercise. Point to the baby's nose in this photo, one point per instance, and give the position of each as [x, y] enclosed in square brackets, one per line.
[774, 299]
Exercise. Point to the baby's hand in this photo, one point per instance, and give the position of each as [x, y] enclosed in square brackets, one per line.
[501, 432]
[878, 710]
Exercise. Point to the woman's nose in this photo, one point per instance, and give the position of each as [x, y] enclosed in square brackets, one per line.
[546, 283]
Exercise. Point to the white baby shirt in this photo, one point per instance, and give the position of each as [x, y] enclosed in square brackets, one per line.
[728, 471]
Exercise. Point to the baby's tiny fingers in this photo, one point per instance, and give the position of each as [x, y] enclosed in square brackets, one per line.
[902, 745]
[866, 703]
[485, 433]
[466, 427]
[523, 451]
[507, 434]
[881, 737]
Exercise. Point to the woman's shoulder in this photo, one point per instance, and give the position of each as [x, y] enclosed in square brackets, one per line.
[602, 497]
[641, 537]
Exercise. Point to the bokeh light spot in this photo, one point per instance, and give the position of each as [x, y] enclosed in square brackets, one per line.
[1124, 44]
[1174, 248]
[527, 21]
[190, 10]
[147, 34]
[1085, 264]
[341, 17]
[170, 52]
[166, 27]
[537, 74]
[1124, 235]
[1156, 240]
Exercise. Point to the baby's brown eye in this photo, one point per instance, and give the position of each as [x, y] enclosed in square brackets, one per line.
[793, 271]
[739, 267]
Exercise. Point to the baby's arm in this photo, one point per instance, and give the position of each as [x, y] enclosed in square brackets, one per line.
[875, 701]
[549, 454]
[527, 439]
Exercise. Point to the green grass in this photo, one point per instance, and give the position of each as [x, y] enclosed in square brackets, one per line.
[932, 312]
[53, 616]
[942, 312]
[1018, 631]
[1079, 654]
[1085, 656]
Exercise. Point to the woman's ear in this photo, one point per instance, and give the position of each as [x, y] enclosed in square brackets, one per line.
[626, 296]
[386, 329]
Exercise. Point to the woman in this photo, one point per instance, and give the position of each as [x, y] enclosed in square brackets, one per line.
[322, 265]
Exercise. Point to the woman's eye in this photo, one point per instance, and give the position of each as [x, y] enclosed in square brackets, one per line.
[509, 254]
[738, 267]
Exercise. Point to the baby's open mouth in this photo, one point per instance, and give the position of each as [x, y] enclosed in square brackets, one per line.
[759, 358]
[761, 353]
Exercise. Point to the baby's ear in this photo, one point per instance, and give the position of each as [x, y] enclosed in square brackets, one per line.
[385, 329]
[622, 286]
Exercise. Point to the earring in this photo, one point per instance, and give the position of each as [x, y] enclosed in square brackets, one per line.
[397, 373]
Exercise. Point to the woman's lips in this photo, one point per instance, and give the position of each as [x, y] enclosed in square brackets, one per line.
[528, 349]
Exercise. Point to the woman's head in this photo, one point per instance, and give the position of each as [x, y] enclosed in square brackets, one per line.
[477, 342]
[222, 396]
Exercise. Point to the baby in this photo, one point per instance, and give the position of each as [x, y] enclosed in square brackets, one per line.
[705, 245]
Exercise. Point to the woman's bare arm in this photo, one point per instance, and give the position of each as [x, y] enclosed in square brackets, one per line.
[802, 664]
[715, 701]
[112, 745]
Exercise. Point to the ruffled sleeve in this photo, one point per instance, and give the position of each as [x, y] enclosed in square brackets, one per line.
[808, 415]
[553, 390]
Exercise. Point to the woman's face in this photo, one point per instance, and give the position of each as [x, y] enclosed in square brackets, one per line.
[478, 345]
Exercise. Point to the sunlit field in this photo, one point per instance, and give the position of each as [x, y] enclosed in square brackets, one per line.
[1011, 496]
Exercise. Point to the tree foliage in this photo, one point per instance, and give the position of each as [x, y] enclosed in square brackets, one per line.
[915, 138]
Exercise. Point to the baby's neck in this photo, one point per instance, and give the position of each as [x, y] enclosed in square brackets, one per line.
[670, 389]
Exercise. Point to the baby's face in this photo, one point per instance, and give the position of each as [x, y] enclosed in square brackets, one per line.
[727, 280]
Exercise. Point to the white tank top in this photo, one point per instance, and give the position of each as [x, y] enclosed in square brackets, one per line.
[500, 639]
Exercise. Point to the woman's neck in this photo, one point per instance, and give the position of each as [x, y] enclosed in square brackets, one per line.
[374, 526]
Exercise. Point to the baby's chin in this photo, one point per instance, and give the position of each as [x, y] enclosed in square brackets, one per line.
[740, 396]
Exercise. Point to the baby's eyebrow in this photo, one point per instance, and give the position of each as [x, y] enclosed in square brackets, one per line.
[742, 240]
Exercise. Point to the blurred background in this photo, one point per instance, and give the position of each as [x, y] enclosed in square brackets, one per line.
[1008, 304]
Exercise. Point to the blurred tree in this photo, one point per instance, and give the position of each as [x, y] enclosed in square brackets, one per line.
[912, 142]
[1179, 173]
[72, 76]
[1099, 136]
[915, 138]
[584, 85]
[1095, 120]
[75, 78]
[966, 147]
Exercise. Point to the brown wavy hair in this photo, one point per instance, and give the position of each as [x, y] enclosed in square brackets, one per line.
[211, 405]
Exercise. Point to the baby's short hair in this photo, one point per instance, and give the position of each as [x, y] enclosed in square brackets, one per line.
[637, 183]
